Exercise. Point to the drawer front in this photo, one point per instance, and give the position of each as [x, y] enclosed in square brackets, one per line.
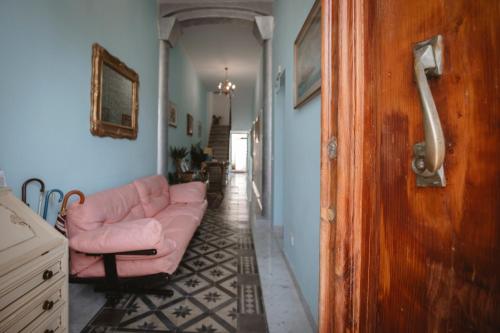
[39, 308]
[24, 283]
[55, 323]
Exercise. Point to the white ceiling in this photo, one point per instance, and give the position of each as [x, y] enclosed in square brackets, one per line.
[212, 47]
[210, 1]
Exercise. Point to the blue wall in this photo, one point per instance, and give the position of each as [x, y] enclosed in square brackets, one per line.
[45, 66]
[242, 109]
[299, 130]
[190, 96]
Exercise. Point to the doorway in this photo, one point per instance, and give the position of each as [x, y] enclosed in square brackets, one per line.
[239, 151]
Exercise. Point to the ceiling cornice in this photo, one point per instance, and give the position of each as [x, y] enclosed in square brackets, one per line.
[186, 10]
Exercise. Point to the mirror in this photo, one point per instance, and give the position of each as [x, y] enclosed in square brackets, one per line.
[114, 96]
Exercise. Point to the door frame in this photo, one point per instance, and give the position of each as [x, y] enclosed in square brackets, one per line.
[345, 198]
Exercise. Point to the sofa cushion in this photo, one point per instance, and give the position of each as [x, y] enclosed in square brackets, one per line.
[154, 194]
[194, 209]
[188, 192]
[180, 228]
[133, 235]
[110, 206]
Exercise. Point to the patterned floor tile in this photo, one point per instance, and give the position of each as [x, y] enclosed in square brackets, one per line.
[202, 249]
[150, 323]
[216, 273]
[229, 314]
[183, 312]
[199, 263]
[192, 284]
[231, 264]
[230, 284]
[161, 300]
[208, 325]
[213, 297]
[219, 256]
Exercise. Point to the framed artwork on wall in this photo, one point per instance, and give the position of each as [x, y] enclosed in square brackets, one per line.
[114, 96]
[307, 58]
[172, 115]
[189, 129]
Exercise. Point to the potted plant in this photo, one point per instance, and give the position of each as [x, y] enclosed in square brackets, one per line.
[178, 155]
[197, 156]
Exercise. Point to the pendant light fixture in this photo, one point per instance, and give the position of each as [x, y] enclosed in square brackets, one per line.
[226, 87]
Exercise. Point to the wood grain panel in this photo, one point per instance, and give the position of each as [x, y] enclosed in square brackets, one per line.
[437, 268]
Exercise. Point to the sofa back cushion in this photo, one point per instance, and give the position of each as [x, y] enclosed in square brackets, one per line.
[188, 192]
[154, 194]
[110, 206]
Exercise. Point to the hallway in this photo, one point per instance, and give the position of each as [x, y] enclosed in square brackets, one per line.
[217, 287]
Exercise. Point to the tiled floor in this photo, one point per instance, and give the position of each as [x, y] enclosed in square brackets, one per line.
[282, 302]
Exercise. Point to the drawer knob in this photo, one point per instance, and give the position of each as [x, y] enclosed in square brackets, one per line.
[47, 274]
[48, 305]
[48, 331]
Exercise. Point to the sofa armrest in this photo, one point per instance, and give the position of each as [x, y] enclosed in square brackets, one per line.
[192, 192]
[128, 236]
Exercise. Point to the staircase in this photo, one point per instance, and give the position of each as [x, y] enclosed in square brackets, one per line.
[219, 141]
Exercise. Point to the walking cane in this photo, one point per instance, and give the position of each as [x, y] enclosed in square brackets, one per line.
[61, 217]
[40, 198]
[47, 199]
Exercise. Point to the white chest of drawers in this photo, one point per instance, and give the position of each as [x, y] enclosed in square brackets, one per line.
[33, 271]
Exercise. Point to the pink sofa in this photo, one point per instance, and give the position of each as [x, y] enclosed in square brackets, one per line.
[147, 214]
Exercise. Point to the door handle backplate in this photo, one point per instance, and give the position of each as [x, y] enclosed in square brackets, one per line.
[428, 156]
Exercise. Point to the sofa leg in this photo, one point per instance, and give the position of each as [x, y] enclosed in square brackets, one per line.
[114, 286]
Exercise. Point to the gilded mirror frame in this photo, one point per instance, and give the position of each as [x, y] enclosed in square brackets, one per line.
[98, 126]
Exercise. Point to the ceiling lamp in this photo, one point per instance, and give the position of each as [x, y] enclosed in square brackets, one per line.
[226, 87]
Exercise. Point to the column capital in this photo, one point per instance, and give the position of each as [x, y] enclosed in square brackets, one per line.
[264, 27]
[169, 30]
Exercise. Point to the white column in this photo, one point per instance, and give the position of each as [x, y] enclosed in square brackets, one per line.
[163, 106]
[267, 177]
[264, 31]
[168, 32]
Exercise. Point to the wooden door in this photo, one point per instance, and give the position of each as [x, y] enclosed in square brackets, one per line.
[435, 260]
[405, 258]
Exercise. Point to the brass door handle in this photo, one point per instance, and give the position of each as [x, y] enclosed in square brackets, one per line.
[429, 155]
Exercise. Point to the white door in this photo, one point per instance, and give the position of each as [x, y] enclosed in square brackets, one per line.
[239, 152]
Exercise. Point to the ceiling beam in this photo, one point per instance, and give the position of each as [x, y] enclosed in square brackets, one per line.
[186, 10]
[169, 30]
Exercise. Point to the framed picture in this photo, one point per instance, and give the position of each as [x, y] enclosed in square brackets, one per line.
[114, 96]
[172, 115]
[189, 129]
[307, 57]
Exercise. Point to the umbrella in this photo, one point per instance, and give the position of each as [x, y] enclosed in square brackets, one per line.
[40, 198]
[47, 199]
[61, 217]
